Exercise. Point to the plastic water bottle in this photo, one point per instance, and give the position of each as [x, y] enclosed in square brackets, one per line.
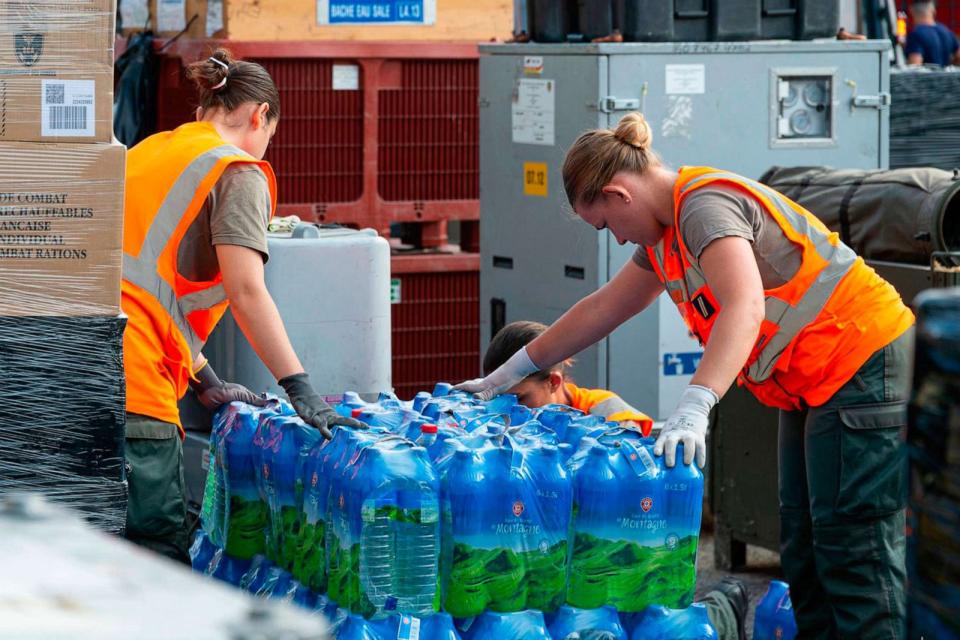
[397, 515]
[428, 435]
[417, 552]
[376, 551]
[774, 616]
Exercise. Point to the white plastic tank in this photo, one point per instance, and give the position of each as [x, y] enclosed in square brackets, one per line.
[332, 287]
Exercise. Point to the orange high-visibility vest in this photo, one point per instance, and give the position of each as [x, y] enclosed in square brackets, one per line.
[169, 176]
[607, 405]
[819, 328]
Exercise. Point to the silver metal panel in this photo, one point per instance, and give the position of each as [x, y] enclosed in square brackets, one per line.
[539, 234]
[727, 126]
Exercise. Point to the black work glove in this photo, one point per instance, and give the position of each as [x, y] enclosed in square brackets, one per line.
[213, 392]
[312, 408]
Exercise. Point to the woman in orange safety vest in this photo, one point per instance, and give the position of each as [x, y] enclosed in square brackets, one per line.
[550, 386]
[198, 200]
[787, 310]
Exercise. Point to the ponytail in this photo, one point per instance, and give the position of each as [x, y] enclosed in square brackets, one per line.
[598, 155]
[223, 82]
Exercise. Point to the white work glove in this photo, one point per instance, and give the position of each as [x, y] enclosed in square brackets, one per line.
[688, 424]
[507, 376]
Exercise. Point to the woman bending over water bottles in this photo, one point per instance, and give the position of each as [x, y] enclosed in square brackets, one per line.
[784, 308]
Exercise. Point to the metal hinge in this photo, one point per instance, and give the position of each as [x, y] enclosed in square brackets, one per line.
[611, 104]
[881, 101]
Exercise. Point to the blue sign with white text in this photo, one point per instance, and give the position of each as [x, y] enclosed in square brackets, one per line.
[376, 11]
[681, 364]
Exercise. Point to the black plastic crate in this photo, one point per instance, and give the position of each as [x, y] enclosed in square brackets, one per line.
[691, 20]
[726, 20]
[799, 19]
[551, 20]
[648, 21]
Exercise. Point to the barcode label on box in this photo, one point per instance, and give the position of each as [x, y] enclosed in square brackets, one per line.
[68, 108]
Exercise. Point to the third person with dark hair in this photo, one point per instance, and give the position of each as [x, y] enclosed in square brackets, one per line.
[552, 385]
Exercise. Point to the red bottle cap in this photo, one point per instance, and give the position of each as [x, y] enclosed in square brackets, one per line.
[356, 413]
[428, 428]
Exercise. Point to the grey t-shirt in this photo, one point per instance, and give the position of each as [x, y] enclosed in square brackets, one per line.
[236, 212]
[718, 211]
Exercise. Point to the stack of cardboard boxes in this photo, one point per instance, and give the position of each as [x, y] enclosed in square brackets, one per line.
[61, 219]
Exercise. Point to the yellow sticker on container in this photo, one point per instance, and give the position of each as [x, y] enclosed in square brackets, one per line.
[535, 179]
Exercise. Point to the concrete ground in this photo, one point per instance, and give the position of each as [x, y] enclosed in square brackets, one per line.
[762, 567]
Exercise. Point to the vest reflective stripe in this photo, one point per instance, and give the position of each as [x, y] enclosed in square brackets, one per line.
[800, 224]
[145, 276]
[788, 318]
[178, 200]
[142, 271]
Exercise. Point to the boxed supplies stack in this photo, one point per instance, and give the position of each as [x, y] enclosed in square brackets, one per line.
[61, 222]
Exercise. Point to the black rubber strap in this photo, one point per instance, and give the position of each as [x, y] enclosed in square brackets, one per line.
[845, 210]
[807, 179]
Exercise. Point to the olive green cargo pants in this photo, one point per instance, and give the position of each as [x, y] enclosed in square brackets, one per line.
[842, 492]
[156, 511]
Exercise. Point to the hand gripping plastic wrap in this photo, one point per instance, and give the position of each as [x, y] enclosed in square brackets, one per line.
[56, 58]
[933, 443]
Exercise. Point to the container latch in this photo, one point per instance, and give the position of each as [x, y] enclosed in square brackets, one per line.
[880, 101]
[612, 103]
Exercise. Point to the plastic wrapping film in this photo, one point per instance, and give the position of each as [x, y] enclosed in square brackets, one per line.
[63, 418]
[933, 443]
[478, 520]
[56, 70]
[635, 527]
[506, 509]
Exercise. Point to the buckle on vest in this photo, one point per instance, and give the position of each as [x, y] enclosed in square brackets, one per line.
[703, 307]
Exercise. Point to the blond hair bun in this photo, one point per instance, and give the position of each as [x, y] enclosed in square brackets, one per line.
[635, 131]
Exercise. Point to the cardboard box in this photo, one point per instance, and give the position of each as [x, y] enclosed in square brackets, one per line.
[61, 229]
[56, 70]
